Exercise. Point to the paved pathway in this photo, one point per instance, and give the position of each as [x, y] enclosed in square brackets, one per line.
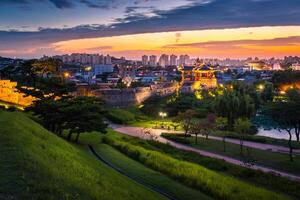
[138, 132]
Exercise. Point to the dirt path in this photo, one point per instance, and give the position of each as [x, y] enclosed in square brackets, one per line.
[155, 133]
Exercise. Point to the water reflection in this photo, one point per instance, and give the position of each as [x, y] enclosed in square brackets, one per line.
[275, 133]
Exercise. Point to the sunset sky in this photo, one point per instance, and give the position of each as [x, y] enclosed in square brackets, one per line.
[200, 28]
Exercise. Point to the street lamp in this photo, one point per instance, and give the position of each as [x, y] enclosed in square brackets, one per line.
[261, 87]
[162, 115]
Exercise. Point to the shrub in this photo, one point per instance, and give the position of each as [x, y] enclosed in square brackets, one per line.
[120, 116]
[218, 185]
[252, 138]
[11, 109]
[180, 138]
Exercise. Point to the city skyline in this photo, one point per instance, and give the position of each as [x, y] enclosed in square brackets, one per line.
[199, 28]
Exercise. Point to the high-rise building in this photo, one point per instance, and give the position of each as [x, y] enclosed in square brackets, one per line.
[145, 60]
[183, 60]
[153, 60]
[173, 60]
[90, 59]
[107, 60]
[163, 60]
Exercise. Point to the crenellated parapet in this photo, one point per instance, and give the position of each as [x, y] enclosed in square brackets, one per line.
[9, 93]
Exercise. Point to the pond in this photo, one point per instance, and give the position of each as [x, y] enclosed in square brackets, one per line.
[275, 133]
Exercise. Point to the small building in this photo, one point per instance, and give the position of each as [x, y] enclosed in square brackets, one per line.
[103, 68]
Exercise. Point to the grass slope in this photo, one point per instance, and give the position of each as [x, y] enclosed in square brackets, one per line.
[149, 176]
[36, 164]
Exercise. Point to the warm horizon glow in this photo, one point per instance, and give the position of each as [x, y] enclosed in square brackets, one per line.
[220, 43]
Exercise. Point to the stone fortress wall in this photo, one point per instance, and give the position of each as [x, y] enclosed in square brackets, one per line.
[10, 94]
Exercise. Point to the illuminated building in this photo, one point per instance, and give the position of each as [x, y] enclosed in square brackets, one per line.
[145, 60]
[153, 60]
[296, 66]
[258, 65]
[199, 76]
[173, 60]
[163, 60]
[10, 94]
[183, 60]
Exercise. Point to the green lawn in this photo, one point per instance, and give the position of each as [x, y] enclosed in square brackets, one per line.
[147, 175]
[278, 161]
[36, 164]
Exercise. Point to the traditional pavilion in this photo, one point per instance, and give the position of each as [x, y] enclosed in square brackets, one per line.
[200, 76]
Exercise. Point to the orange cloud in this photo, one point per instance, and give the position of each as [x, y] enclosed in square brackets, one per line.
[237, 42]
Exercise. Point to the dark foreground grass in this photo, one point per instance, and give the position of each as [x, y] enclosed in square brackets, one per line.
[279, 161]
[218, 185]
[35, 164]
[147, 175]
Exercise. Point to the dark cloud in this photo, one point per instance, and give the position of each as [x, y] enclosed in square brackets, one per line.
[61, 4]
[66, 4]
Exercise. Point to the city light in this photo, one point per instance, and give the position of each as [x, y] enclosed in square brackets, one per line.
[261, 87]
[87, 69]
[66, 74]
[162, 114]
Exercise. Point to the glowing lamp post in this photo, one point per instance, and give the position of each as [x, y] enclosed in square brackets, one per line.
[162, 115]
[261, 87]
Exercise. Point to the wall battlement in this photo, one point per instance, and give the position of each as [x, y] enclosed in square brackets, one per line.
[9, 93]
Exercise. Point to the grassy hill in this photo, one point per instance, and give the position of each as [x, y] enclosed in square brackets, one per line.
[36, 164]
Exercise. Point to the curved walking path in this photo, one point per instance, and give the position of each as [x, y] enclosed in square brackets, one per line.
[138, 132]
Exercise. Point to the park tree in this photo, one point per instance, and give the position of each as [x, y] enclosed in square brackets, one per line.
[7, 71]
[196, 128]
[208, 124]
[84, 114]
[286, 114]
[33, 82]
[46, 67]
[185, 119]
[285, 77]
[267, 93]
[242, 127]
[78, 115]
[233, 105]
[293, 100]
[221, 124]
[51, 113]
[202, 126]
